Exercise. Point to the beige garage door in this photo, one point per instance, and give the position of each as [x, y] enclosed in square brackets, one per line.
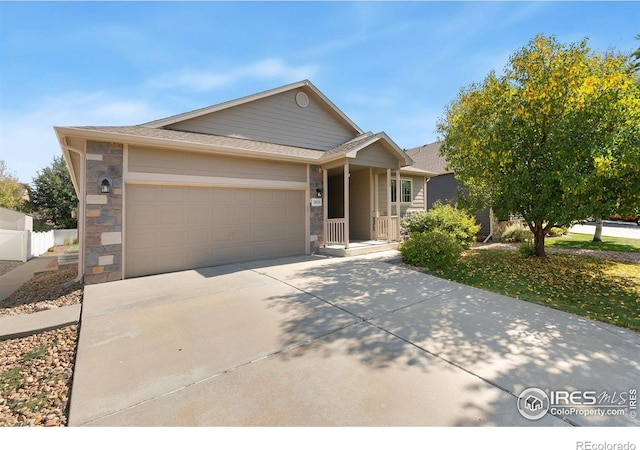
[171, 228]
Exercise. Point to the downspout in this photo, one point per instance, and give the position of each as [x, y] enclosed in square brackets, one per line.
[490, 226]
[81, 184]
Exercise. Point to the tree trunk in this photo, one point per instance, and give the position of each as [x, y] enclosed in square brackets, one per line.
[597, 237]
[538, 239]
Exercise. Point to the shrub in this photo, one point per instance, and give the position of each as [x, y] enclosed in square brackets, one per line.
[432, 249]
[556, 231]
[516, 233]
[447, 219]
[66, 241]
[527, 249]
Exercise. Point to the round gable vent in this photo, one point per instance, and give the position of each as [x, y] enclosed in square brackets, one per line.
[302, 99]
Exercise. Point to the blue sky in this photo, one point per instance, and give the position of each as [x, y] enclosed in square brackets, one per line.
[389, 66]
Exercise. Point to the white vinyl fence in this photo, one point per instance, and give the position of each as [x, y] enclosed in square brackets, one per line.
[24, 245]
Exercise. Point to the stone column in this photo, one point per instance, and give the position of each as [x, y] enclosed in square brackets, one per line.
[316, 213]
[103, 213]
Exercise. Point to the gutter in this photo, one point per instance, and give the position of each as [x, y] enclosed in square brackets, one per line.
[81, 183]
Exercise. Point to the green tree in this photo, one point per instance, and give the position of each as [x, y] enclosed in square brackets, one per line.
[553, 139]
[11, 189]
[634, 59]
[53, 197]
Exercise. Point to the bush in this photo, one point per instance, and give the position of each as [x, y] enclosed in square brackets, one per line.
[527, 249]
[556, 231]
[66, 241]
[447, 219]
[432, 249]
[516, 233]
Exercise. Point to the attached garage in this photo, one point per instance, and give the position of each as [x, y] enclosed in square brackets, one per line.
[170, 228]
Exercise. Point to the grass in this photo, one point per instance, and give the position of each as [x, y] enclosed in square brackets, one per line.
[585, 241]
[603, 290]
[36, 353]
[10, 379]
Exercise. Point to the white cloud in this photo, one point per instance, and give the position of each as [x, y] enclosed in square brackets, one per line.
[207, 80]
[28, 141]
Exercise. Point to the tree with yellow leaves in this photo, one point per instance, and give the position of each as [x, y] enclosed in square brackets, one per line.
[554, 139]
[11, 190]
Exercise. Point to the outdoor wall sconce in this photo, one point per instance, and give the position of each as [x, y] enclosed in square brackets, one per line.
[105, 186]
[319, 193]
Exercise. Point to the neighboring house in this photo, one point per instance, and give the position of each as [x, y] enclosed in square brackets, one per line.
[283, 172]
[443, 187]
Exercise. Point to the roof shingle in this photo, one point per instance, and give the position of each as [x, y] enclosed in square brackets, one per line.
[428, 157]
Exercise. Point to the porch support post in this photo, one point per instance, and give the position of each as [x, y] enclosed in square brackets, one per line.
[389, 204]
[371, 203]
[346, 205]
[376, 202]
[398, 197]
[325, 205]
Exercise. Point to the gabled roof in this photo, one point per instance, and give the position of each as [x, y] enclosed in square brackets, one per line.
[306, 84]
[351, 148]
[428, 158]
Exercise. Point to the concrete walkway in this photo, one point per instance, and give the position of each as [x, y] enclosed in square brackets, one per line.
[332, 342]
[12, 280]
[12, 327]
[632, 232]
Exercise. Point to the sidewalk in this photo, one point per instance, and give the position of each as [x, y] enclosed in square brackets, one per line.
[587, 228]
[11, 281]
[12, 327]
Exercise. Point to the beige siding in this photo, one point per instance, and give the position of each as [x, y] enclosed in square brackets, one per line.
[149, 160]
[170, 228]
[359, 213]
[376, 155]
[276, 119]
[417, 192]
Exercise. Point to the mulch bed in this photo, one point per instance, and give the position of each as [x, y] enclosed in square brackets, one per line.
[36, 371]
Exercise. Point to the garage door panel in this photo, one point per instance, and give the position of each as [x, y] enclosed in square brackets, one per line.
[173, 215]
[172, 238]
[169, 228]
[144, 194]
[140, 240]
[144, 216]
[174, 194]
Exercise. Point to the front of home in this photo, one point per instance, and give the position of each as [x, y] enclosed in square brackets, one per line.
[279, 173]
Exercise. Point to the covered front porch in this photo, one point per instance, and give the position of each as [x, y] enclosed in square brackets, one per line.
[362, 194]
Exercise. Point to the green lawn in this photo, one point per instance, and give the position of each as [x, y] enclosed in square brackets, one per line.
[585, 241]
[607, 291]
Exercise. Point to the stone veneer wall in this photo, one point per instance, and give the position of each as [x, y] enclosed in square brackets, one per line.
[103, 214]
[316, 213]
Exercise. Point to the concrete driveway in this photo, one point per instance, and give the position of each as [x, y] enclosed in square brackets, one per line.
[338, 342]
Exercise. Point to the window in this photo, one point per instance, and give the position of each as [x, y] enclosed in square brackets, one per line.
[406, 189]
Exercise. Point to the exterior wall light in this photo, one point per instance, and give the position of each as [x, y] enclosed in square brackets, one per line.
[105, 186]
[319, 193]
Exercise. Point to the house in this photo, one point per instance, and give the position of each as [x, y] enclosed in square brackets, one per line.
[443, 186]
[278, 173]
